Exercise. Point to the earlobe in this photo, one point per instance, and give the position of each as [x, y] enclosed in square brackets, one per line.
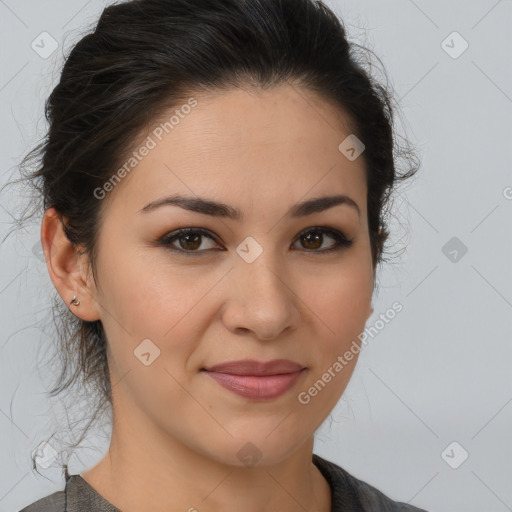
[67, 269]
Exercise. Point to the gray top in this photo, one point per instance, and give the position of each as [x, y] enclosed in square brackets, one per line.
[349, 494]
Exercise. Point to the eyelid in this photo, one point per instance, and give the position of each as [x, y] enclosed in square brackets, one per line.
[341, 239]
[174, 235]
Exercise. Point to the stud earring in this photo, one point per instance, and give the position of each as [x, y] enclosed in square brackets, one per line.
[75, 301]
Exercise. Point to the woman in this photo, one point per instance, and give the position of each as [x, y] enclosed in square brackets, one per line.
[215, 178]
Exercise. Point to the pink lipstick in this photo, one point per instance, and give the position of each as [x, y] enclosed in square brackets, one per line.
[255, 379]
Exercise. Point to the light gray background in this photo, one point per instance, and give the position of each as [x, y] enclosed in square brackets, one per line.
[441, 370]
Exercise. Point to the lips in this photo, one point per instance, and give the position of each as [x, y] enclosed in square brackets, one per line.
[257, 380]
[256, 368]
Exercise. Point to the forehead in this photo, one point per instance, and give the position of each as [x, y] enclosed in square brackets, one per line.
[250, 147]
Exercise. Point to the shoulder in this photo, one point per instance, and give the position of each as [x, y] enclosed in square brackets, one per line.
[373, 499]
[78, 496]
[55, 502]
[350, 493]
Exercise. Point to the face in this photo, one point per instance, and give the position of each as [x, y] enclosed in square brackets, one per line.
[274, 282]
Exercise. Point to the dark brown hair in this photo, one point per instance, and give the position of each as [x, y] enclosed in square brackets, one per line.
[146, 56]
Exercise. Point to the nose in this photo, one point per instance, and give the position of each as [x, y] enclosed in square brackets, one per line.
[260, 300]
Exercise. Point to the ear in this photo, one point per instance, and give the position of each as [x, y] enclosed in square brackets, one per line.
[69, 269]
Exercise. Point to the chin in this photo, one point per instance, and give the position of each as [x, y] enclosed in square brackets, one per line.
[254, 450]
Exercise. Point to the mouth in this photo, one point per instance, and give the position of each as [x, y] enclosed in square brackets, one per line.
[256, 368]
[257, 380]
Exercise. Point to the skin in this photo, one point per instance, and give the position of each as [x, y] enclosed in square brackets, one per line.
[176, 431]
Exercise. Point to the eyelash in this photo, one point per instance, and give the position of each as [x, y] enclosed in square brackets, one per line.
[342, 242]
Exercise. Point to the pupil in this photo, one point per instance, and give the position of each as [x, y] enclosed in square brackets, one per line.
[316, 238]
[196, 243]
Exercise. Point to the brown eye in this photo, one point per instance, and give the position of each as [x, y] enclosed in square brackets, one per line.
[190, 241]
[313, 239]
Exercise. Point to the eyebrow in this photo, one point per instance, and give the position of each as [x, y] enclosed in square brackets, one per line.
[218, 209]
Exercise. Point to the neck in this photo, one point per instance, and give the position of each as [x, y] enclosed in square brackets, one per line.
[145, 469]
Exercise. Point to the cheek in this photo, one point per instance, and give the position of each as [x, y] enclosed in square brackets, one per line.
[339, 300]
[339, 310]
[144, 294]
[157, 301]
